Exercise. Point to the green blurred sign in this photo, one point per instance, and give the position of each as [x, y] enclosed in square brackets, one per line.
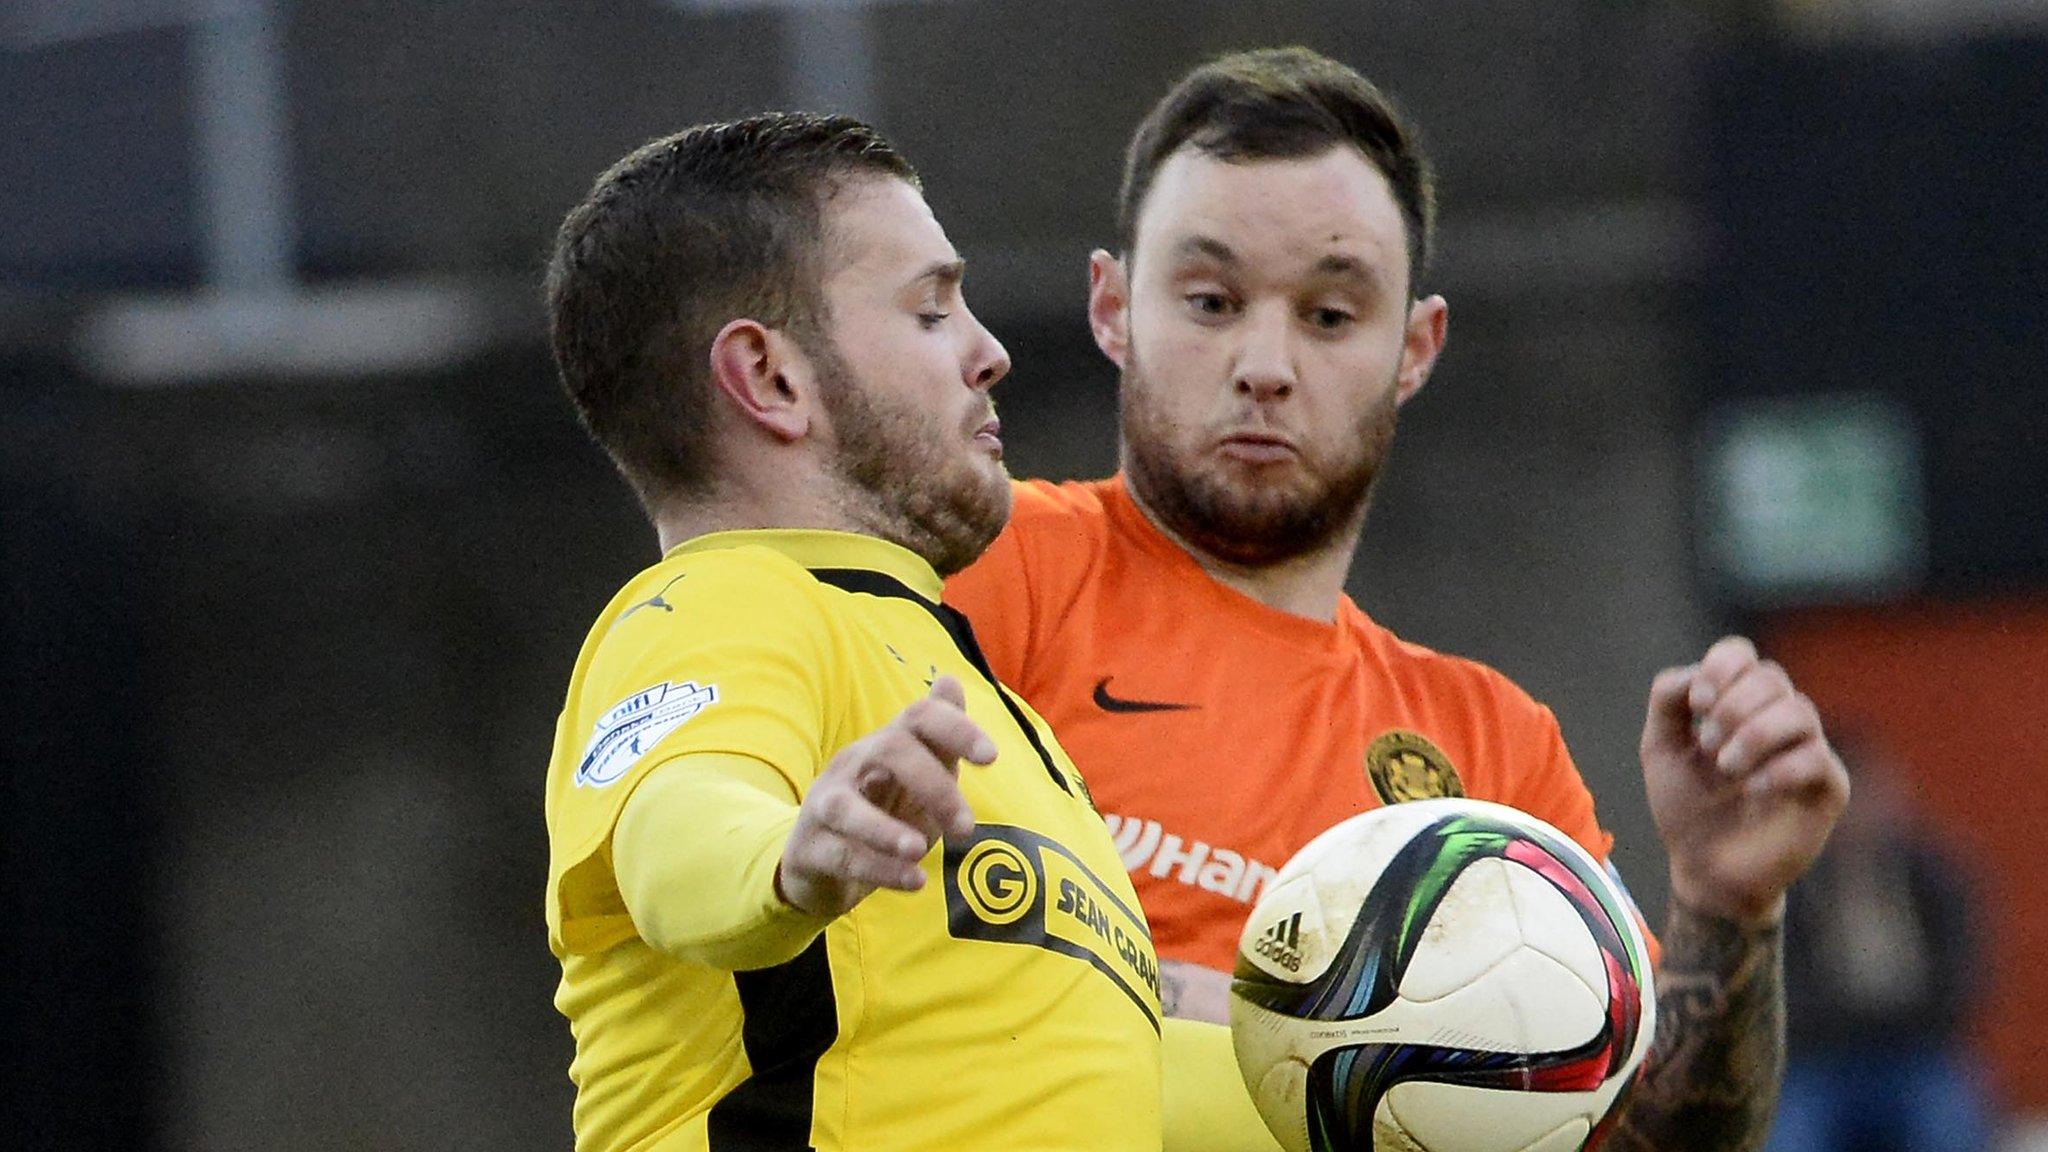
[1814, 498]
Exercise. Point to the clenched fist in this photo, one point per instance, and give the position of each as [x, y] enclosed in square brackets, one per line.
[1742, 783]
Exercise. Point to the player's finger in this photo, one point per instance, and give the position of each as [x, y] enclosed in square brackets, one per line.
[1668, 689]
[1669, 716]
[882, 789]
[1808, 768]
[1723, 662]
[941, 723]
[1760, 686]
[1784, 723]
[850, 862]
[928, 785]
[948, 689]
[852, 816]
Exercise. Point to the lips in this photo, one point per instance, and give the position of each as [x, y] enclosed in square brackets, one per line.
[989, 436]
[1258, 447]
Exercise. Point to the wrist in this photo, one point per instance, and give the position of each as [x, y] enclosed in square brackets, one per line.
[1741, 909]
[793, 903]
[781, 892]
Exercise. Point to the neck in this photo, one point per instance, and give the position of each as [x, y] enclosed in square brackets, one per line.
[736, 505]
[679, 522]
[1309, 585]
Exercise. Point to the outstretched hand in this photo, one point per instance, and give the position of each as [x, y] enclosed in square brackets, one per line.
[1742, 783]
[881, 804]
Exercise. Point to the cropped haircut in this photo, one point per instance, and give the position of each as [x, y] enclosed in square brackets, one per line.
[684, 235]
[1282, 104]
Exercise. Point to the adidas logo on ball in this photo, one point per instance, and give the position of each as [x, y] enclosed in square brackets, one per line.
[1282, 943]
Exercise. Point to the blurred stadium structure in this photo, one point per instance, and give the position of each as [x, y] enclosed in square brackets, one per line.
[299, 541]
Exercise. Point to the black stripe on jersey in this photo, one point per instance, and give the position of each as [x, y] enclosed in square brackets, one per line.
[788, 1020]
[956, 626]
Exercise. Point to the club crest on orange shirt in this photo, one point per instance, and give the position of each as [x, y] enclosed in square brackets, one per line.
[1406, 766]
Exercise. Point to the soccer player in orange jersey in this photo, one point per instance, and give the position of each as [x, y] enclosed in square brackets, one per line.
[1183, 623]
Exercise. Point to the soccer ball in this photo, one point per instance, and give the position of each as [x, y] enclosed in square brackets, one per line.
[1441, 976]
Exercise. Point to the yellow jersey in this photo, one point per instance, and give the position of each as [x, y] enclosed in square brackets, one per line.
[1011, 1003]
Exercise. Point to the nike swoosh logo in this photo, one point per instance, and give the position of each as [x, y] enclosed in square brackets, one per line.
[1108, 703]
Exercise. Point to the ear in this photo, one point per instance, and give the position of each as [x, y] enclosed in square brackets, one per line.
[1109, 306]
[1428, 323]
[765, 376]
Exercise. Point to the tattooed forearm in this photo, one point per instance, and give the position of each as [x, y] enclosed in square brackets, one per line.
[1711, 1081]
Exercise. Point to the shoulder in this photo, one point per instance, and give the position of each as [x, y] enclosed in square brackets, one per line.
[709, 622]
[1043, 507]
[1055, 537]
[1030, 579]
[1058, 533]
[1505, 745]
[723, 576]
[1442, 677]
[703, 597]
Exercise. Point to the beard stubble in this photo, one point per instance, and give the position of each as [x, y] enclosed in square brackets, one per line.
[1242, 522]
[906, 487]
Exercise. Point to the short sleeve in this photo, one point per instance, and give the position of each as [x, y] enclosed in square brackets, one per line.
[1555, 793]
[733, 656]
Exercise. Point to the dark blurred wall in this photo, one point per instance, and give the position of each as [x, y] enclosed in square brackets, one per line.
[82, 778]
[97, 170]
[380, 586]
[1879, 216]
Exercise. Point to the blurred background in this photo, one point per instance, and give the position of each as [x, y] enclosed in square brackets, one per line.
[299, 541]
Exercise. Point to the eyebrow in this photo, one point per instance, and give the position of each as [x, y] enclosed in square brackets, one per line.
[1347, 268]
[1214, 249]
[1335, 265]
[942, 274]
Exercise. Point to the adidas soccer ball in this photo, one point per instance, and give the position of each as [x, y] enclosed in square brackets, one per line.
[1441, 976]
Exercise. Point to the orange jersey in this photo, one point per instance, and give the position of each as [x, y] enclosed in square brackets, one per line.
[1218, 735]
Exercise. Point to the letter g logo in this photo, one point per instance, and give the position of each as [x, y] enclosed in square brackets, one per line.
[998, 882]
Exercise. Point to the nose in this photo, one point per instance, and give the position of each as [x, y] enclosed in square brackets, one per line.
[1265, 361]
[989, 361]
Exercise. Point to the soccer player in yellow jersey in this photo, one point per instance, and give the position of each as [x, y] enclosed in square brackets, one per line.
[816, 879]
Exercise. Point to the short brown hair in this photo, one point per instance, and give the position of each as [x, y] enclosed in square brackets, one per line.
[1282, 104]
[679, 238]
